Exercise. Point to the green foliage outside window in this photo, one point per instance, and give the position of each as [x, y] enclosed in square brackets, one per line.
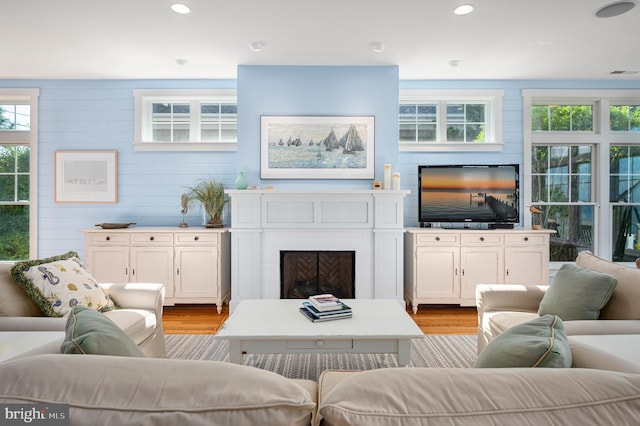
[14, 194]
[562, 118]
[624, 118]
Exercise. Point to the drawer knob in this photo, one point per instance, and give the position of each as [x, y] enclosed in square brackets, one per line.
[108, 238]
[437, 238]
[319, 343]
[151, 238]
[196, 238]
[526, 238]
[481, 238]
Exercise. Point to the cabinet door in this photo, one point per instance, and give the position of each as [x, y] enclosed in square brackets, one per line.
[527, 265]
[437, 273]
[196, 272]
[153, 265]
[108, 264]
[480, 265]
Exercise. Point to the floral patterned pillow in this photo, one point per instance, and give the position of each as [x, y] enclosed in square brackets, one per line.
[57, 284]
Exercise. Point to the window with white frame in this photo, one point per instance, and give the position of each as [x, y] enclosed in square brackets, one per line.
[18, 174]
[186, 120]
[435, 120]
[574, 139]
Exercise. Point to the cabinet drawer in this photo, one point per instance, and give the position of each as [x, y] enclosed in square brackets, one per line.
[320, 344]
[475, 239]
[151, 239]
[526, 239]
[107, 238]
[196, 238]
[436, 239]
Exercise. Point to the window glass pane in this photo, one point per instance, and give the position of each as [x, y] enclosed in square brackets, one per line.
[475, 113]
[8, 188]
[625, 233]
[574, 230]
[455, 113]
[581, 118]
[15, 117]
[14, 232]
[455, 133]
[475, 132]
[539, 117]
[560, 118]
[8, 159]
[624, 180]
[624, 118]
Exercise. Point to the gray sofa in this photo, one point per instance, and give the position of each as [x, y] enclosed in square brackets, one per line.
[160, 392]
[140, 313]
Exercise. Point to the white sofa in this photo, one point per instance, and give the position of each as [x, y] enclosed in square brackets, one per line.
[140, 313]
[180, 392]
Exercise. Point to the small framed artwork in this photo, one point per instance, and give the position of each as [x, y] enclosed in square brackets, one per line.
[86, 176]
[317, 147]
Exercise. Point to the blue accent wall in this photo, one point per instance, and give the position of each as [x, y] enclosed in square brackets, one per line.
[99, 114]
[320, 90]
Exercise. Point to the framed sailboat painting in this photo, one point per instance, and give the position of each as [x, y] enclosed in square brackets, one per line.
[317, 147]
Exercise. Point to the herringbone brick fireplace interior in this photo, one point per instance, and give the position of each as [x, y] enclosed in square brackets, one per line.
[304, 273]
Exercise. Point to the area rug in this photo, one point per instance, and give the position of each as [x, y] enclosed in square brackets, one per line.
[430, 351]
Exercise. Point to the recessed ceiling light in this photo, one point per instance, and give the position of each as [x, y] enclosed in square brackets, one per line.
[182, 62]
[615, 9]
[463, 9]
[256, 46]
[377, 47]
[180, 8]
[455, 62]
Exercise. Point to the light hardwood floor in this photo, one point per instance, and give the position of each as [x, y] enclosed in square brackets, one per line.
[432, 319]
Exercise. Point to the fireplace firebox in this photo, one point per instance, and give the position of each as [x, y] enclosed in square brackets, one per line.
[305, 273]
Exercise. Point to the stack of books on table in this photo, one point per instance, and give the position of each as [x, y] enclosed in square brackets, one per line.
[325, 307]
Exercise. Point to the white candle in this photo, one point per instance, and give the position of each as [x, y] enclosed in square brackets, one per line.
[396, 180]
[387, 176]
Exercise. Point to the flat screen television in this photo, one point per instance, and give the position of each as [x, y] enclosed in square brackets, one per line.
[483, 194]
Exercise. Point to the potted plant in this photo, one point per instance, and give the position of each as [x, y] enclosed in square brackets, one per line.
[210, 194]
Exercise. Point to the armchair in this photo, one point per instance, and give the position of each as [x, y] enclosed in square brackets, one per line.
[140, 313]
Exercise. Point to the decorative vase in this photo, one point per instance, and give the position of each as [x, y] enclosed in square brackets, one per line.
[241, 181]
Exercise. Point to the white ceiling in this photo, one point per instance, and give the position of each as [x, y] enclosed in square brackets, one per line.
[131, 39]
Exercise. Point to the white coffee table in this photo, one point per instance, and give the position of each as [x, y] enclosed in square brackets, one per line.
[15, 344]
[276, 326]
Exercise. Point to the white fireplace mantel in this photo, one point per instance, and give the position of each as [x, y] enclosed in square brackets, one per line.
[265, 222]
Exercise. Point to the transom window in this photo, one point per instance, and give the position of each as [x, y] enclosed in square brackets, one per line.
[168, 120]
[431, 120]
[562, 118]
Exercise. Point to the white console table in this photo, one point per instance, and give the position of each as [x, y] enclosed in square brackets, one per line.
[265, 222]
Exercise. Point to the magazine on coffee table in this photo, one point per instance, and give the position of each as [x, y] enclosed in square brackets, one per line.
[314, 318]
[325, 302]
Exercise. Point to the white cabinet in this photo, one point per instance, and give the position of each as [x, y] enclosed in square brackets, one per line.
[444, 266]
[192, 264]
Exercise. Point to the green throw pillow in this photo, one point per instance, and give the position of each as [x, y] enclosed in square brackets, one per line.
[541, 342]
[577, 293]
[57, 284]
[90, 332]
